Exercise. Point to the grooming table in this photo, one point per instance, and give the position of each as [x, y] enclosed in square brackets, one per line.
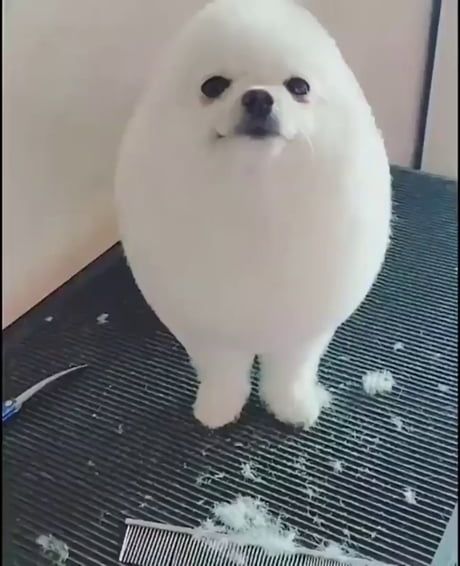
[118, 439]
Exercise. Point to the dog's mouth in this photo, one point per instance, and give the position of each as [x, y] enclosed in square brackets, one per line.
[256, 133]
[259, 133]
[257, 129]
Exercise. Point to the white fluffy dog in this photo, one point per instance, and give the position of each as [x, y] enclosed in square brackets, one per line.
[254, 198]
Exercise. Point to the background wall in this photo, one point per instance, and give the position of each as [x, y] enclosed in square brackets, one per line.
[72, 72]
[441, 141]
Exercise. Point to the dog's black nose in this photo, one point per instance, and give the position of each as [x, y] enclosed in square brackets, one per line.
[258, 103]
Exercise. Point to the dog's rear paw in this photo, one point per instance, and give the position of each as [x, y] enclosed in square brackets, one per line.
[298, 406]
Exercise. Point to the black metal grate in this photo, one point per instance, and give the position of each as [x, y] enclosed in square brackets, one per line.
[118, 440]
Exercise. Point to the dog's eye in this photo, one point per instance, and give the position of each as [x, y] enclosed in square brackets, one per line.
[297, 86]
[215, 86]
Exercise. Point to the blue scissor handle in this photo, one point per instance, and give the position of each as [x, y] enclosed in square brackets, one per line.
[10, 408]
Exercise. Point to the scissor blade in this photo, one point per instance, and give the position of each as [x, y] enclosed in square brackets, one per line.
[23, 397]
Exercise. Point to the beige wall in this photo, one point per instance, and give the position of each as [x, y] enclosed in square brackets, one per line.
[72, 73]
[385, 43]
[440, 153]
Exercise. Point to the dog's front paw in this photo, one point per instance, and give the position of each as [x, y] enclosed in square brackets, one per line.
[296, 405]
[218, 404]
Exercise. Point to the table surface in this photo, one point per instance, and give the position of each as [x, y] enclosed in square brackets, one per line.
[118, 439]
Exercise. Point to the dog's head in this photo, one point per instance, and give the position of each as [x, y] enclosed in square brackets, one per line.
[259, 69]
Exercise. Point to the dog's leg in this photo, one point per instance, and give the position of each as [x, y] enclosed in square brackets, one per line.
[225, 385]
[289, 385]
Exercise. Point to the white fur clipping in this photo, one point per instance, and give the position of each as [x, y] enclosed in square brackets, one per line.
[103, 318]
[378, 382]
[410, 496]
[54, 549]
[207, 478]
[398, 422]
[248, 472]
[336, 551]
[337, 466]
[248, 521]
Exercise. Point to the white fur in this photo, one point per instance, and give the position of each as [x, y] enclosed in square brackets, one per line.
[378, 382]
[244, 246]
[410, 496]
